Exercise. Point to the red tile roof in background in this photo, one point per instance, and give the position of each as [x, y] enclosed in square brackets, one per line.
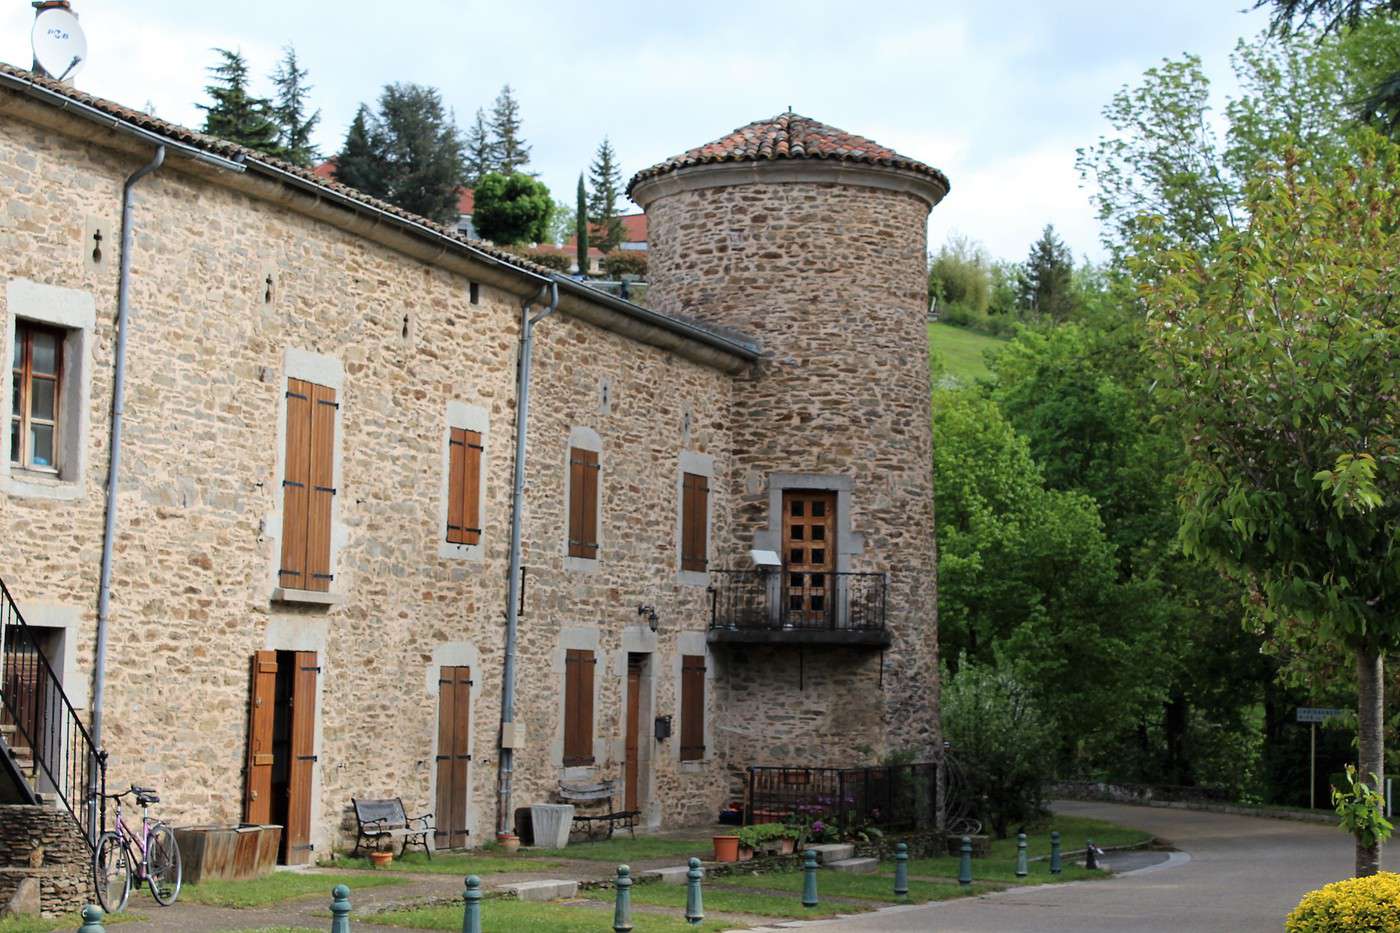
[634, 229]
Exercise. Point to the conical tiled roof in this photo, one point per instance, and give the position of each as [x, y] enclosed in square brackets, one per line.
[789, 136]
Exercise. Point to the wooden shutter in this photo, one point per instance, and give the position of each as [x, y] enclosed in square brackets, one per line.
[318, 519]
[464, 487]
[578, 707]
[695, 498]
[692, 707]
[454, 710]
[296, 480]
[583, 503]
[262, 697]
[298, 830]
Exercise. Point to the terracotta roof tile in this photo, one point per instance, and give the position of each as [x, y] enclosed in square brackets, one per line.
[789, 136]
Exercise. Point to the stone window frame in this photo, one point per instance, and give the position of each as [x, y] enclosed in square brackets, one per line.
[74, 312]
[692, 461]
[578, 638]
[468, 418]
[323, 370]
[848, 543]
[454, 654]
[585, 439]
[693, 643]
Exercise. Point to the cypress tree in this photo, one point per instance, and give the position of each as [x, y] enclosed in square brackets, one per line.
[235, 114]
[481, 152]
[1047, 277]
[581, 236]
[511, 151]
[606, 179]
[289, 109]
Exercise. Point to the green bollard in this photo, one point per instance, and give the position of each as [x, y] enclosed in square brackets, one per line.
[694, 906]
[1054, 853]
[471, 917]
[965, 862]
[809, 878]
[622, 916]
[340, 909]
[92, 920]
[1022, 869]
[1091, 858]
[901, 870]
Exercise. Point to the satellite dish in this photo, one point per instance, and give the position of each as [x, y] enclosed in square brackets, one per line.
[60, 48]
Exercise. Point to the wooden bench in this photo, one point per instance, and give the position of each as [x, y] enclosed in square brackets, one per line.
[591, 795]
[378, 820]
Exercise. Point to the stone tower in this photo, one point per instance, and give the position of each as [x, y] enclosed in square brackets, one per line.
[814, 241]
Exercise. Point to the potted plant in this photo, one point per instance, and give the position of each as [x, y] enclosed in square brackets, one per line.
[726, 848]
[380, 858]
[508, 841]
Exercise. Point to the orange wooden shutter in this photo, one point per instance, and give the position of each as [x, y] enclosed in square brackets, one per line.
[692, 707]
[471, 489]
[578, 707]
[694, 519]
[322, 494]
[454, 698]
[456, 471]
[296, 481]
[262, 695]
[583, 503]
[303, 754]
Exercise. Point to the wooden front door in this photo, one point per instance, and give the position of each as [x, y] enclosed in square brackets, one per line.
[454, 717]
[281, 748]
[634, 724]
[23, 665]
[809, 556]
[257, 788]
[297, 835]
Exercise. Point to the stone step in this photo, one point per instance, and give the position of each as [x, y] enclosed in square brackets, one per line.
[673, 875]
[833, 852]
[856, 866]
[542, 890]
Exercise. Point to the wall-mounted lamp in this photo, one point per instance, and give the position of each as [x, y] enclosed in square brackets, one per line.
[650, 613]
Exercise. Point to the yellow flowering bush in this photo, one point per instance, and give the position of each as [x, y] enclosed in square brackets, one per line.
[1357, 905]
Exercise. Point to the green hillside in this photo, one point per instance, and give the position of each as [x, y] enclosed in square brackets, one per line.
[961, 350]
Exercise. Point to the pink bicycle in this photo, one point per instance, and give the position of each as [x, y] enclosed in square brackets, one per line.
[154, 854]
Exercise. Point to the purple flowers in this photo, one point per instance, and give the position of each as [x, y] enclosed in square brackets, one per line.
[818, 827]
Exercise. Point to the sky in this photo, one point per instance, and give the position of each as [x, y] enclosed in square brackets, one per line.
[998, 96]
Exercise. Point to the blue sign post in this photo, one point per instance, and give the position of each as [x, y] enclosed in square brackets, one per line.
[1312, 715]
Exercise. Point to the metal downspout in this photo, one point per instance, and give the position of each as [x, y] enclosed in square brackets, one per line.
[517, 507]
[109, 532]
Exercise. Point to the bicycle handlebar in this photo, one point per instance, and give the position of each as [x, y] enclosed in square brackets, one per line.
[133, 789]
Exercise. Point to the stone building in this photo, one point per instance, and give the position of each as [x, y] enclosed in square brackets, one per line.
[311, 533]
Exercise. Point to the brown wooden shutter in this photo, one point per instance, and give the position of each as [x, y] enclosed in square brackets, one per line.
[262, 696]
[583, 503]
[464, 487]
[454, 711]
[303, 754]
[318, 518]
[296, 481]
[578, 707]
[692, 707]
[695, 497]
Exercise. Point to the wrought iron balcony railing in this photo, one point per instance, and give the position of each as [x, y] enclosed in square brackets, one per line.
[797, 606]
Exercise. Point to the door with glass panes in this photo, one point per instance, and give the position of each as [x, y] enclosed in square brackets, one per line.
[809, 557]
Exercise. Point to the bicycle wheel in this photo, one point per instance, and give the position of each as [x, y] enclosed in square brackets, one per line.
[111, 873]
[163, 870]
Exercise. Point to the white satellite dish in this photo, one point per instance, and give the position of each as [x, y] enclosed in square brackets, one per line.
[60, 48]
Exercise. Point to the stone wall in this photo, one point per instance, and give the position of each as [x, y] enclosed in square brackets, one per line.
[46, 845]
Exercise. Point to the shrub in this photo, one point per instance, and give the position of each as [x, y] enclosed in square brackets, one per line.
[618, 264]
[1357, 905]
[556, 261]
[756, 835]
[512, 209]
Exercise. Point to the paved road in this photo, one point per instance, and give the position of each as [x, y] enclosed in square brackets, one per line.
[1243, 874]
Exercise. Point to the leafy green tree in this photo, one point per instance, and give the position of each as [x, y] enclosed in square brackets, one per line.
[960, 273]
[480, 151]
[511, 151]
[235, 114]
[295, 125]
[1047, 287]
[359, 163]
[1279, 349]
[512, 209]
[605, 177]
[581, 232]
[563, 222]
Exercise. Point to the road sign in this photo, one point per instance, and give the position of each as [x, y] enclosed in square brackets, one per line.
[1318, 713]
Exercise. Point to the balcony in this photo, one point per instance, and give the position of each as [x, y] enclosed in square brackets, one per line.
[791, 607]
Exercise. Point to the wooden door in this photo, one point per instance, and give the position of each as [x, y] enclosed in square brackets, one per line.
[809, 555]
[297, 834]
[632, 765]
[23, 669]
[262, 700]
[454, 718]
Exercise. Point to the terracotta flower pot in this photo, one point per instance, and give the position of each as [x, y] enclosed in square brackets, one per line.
[745, 853]
[508, 841]
[726, 848]
[381, 859]
[787, 845]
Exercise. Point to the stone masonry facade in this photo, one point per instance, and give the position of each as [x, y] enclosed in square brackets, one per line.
[39, 846]
[239, 284]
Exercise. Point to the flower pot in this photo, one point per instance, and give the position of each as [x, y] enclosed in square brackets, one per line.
[508, 841]
[787, 846]
[381, 859]
[745, 853]
[726, 848]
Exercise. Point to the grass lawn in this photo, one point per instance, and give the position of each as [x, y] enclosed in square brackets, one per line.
[276, 887]
[452, 863]
[753, 903]
[61, 925]
[862, 887]
[624, 850]
[962, 350]
[500, 914]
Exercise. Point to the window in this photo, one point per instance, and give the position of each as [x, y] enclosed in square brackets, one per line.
[463, 487]
[695, 503]
[36, 374]
[583, 503]
[692, 707]
[578, 706]
[308, 487]
[474, 291]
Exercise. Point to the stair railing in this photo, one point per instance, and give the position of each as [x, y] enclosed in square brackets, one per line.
[32, 700]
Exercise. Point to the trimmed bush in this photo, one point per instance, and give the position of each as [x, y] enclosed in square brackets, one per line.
[620, 262]
[1357, 905]
[556, 261]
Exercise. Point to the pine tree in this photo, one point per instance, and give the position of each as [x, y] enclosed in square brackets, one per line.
[235, 114]
[289, 110]
[512, 153]
[1047, 277]
[359, 163]
[606, 180]
[581, 236]
[481, 152]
